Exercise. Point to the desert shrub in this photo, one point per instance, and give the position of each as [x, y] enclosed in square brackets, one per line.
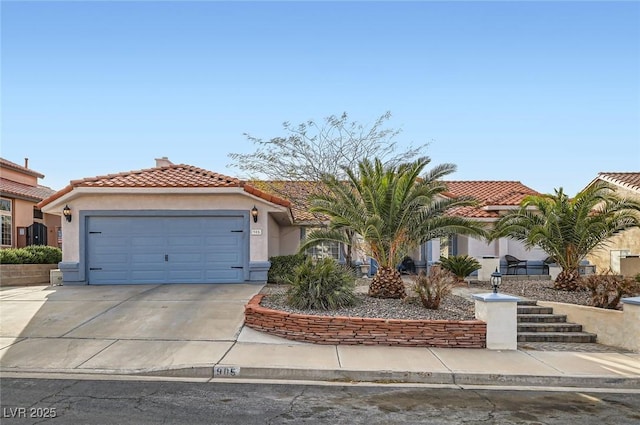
[324, 285]
[33, 254]
[282, 266]
[460, 265]
[433, 287]
[607, 288]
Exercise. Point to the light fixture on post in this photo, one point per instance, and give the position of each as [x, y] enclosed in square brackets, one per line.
[496, 280]
[254, 214]
[66, 211]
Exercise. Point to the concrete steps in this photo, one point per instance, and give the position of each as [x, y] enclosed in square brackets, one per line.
[539, 324]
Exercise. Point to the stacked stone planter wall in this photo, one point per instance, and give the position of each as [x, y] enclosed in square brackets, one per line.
[25, 274]
[365, 331]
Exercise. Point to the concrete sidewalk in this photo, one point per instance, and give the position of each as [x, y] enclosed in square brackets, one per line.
[196, 331]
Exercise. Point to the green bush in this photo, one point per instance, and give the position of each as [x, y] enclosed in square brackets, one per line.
[33, 254]
[9, 256]
[460, 265]
[282, 266]
[325, 285]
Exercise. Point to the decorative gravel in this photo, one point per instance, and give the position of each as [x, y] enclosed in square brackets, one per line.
[541, 290]
[451, 308]
[456, 306]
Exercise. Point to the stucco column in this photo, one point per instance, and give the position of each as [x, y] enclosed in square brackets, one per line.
[499, 311]
[631, 322]
[488, 264]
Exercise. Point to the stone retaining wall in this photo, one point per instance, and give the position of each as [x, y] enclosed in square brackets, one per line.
[365, 331]
[25, 274]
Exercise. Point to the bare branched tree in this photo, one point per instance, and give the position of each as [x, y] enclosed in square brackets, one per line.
[311, 150]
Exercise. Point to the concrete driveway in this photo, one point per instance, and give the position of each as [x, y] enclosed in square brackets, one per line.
[119, 328]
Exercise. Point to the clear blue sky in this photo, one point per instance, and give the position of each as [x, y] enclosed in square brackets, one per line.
[547, 93]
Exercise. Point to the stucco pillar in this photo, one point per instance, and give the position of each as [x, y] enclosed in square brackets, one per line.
[488, 265]
[499, 311]
[631, 322]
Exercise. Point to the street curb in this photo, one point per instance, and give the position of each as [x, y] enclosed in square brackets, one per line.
[393, 377]
[358, 376]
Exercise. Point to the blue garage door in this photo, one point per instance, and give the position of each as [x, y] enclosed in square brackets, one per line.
[129, 250]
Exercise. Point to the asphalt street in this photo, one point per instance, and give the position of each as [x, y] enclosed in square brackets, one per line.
[67, 401]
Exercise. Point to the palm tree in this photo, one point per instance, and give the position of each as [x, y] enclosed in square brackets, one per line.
[568, 229]
[393, 209]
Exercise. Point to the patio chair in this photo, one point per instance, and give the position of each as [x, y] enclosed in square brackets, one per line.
[546, 263]
[515, 264]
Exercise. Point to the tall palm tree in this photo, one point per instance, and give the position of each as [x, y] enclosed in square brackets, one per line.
[568, 229]
[394, 209]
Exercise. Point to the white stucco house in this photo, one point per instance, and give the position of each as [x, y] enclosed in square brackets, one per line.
[177, 223]
[168, 224]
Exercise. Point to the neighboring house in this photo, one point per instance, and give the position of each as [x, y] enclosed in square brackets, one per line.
[183, 224]
[22, 222]
[626, 185]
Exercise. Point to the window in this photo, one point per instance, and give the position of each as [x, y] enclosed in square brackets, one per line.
[5, 217]
[322, 250]
[37, 214]
[448, 246]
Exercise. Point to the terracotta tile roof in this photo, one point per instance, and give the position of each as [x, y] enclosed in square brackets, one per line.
[628, 180]
[298, 192]
[488, 193]
[174, 176]
[24, 170]
[37, 193]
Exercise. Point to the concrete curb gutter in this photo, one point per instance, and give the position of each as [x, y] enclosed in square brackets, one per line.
[393, 377]
[206, 373]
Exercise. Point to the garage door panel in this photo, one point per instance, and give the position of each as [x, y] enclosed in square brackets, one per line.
[228, 240]
[149, 259]
[198, 249]
[187, 242]
[111, 276]
[186, 259]
[225, 258]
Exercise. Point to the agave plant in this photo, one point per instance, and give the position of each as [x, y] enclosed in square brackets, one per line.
[325, 285]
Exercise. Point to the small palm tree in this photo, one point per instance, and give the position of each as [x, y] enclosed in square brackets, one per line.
[568, 229]
[394, 209]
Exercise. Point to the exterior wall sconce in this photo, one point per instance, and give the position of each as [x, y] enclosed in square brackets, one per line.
[254, 214]
[66, 211]
[496, 280]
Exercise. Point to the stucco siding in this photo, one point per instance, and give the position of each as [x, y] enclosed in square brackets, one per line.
[259, 246]
[289, 240]
[628, 240]
[274, 237]
[19, 177]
